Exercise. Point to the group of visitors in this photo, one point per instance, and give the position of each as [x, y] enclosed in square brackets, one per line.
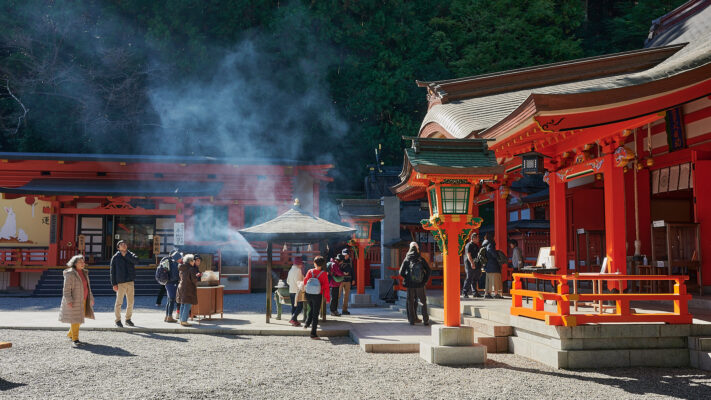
[487, 259]
[78, 300]
[325, 281]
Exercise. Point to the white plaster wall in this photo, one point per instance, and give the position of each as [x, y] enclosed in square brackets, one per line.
[28, 280]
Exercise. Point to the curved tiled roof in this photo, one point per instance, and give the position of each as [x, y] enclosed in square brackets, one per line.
[462, 118]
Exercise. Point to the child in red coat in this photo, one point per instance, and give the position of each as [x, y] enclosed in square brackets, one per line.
[315, 299]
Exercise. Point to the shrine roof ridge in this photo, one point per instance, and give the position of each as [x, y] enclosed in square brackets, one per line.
[150, 158]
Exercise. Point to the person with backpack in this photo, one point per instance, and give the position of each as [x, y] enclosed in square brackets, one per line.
[335, 278]
[316, 288]
[415, 273]
[171, 286]
[491, 259]
[473, 271]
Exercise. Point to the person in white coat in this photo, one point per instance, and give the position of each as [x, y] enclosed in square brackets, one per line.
[295, 280]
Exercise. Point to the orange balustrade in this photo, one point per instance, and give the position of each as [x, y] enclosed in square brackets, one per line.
[622, 311]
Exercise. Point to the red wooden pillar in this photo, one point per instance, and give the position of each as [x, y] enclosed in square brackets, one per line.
[702, 197]
[53, 248]
[644, 208]
[451, 278]
[500, 228]
[558, 206]
[614, 187]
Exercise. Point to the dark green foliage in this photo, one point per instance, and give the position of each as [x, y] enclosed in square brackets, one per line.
[86, 70]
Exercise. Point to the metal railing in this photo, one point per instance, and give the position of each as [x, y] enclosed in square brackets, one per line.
[621, 311]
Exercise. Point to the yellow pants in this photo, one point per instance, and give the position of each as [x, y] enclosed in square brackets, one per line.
[74, 328]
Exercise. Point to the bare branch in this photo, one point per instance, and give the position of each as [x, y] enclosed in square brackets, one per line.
[24, 109]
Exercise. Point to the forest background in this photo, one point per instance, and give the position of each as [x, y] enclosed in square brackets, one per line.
[320, 81]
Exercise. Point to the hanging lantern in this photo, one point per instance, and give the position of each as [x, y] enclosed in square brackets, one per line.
[532, 163]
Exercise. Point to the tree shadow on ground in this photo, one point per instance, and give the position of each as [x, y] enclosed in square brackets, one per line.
[105, 350]
[683, 383]
[158, 336]
[7, 385]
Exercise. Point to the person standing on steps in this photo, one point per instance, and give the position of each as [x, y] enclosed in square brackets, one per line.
[415, 273]
[473, 271]
[123, 274]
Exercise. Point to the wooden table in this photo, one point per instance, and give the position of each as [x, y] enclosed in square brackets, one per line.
[210, 301]
[597, 305]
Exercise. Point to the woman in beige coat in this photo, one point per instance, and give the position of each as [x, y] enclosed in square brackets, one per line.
[77, 300]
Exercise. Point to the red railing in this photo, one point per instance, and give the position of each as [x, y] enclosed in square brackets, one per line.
[622, 312]
[374, 256]
[23, 257]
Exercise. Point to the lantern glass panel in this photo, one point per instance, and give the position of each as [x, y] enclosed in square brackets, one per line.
[433, 201]
[531, 164]
[362, 231]
[455, 200]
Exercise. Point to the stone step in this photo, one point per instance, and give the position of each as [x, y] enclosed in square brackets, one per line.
[493, 344]
[488, 327]
[700, 359]
[700, 343]
[619, 358]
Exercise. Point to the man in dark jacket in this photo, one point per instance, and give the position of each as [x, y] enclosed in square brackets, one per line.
[123, 273]
[492, 269]
[412, 266]
[347, 269]
[473, 271]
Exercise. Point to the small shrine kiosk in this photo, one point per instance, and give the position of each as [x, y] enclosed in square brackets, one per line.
[293, 226]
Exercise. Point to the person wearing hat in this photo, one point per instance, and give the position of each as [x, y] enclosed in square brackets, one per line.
[171, 287]
[471, 282]
[345, 288]
[415, 273]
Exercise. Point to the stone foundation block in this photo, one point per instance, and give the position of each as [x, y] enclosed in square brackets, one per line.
[453, 355]
[452, 335]
[361, 300]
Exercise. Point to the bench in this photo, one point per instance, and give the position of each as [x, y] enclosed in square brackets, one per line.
[5, 345]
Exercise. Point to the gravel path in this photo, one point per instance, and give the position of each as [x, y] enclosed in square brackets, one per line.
[123, 365]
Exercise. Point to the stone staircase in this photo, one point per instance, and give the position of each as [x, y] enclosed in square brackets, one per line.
[52, 282]
[585, 346]
[490, 329]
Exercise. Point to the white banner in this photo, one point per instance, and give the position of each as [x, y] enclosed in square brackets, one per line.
[179, 233]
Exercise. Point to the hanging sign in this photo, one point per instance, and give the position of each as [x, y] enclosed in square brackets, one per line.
[179, 233]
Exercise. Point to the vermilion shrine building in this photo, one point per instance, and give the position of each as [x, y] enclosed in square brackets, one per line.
[627, 140]
[57, 205]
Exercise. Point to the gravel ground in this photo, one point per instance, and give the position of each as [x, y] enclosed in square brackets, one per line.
[124, 365]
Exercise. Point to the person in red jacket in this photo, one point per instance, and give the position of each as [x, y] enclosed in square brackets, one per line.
[314, 300]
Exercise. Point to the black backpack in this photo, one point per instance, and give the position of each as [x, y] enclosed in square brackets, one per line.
[417, 271]
[163, 271]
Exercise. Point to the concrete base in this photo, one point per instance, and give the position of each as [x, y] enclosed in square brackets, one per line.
[453, 355]
[361, 300]
[383, 286]
[452, 346]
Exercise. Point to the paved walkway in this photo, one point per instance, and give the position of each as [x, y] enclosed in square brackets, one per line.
[376, 329]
